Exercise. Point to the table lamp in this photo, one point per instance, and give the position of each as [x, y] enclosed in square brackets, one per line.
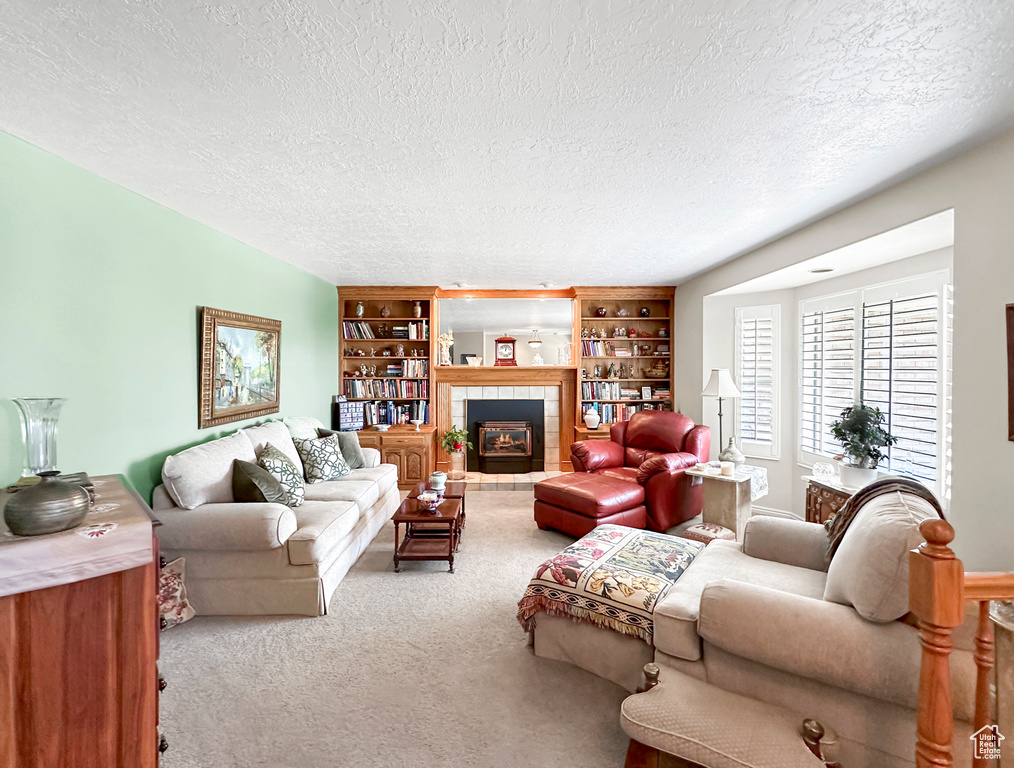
[721, 385]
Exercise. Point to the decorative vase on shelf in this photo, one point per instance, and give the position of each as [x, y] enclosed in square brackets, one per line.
[416, 309]
[591, 418]
[49, 507]
[437, 481]
[360, 309]
[385, 311]
[457, 466]
[39, 416]
[732, 453]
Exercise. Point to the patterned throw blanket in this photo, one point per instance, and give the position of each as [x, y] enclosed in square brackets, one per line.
[613, 577]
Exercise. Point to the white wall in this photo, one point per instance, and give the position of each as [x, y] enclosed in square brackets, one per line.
[979, 186]
[786, 488]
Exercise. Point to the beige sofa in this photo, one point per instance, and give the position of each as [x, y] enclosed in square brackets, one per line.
[261, 558]
[765, 619]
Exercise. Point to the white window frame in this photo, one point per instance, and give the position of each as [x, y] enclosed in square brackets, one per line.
[753, 448]
[931, 283]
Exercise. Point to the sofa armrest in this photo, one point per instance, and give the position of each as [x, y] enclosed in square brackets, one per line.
[233, 526]
[781, 540]
[670, 463]
[813, 639]
[589, 455]
[372, 457]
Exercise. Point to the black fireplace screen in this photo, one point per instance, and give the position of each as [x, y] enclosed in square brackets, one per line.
[505, 438]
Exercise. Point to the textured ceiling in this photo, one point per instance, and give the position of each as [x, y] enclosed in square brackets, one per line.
[506, 143]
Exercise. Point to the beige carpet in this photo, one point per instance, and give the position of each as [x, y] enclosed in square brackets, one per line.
[420, 668]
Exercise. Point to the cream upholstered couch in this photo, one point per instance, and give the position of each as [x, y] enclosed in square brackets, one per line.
[262, 558]
[769, 620]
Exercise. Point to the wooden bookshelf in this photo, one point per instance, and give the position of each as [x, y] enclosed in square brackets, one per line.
[396, 350]
[651, 335]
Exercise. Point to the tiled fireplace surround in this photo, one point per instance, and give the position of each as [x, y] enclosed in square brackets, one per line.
[550, 394]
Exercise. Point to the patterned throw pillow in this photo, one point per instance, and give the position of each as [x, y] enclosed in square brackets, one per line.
[350, 448]
[708, 532]
[173, 605]
[322, 458]
[285, 472]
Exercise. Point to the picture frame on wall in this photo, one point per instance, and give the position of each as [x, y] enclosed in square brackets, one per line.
[1010, 372]
[240, 367]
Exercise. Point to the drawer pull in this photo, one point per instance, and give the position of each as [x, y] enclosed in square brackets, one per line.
[162, 623]
[162, 684]
[163, 745]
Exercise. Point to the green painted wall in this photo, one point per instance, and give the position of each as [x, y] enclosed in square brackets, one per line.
[99, 297]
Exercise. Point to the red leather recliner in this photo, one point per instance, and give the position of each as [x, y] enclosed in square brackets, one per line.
[652, 449]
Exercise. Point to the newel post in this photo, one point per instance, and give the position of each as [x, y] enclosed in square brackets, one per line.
[935, 587]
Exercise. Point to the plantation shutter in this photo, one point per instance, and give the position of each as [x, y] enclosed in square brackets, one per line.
[756, 371]
[827, 383]
[901, 367]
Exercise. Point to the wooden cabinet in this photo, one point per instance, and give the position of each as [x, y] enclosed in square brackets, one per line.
[78, 676]
[823, 499]
[583, 433]
[413, 453]
[626, 351]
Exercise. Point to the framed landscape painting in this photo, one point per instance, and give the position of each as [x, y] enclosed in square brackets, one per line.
[240, 367]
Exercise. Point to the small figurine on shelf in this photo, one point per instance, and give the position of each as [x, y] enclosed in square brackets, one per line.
[444, 343]
[584, 333]
[634, 350]
[349, 352]
[584, 373]
[663, 332]
[611, 374]
[386, 352]
[360, 309]
[645, 334]
[623, 371]
[382, 331]
[603, 334]
[600, 312]
[598, 371]
[399, 350]
[622, 312]
[632, 333]
[373, 370]
[619, 333]
[362, 370]
[360, 353]
[373, 352]
[646, 349]
[385, 311]
[645, 312]
[594, 333]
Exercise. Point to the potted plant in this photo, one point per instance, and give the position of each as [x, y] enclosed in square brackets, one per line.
[862, 436]
[455, 441]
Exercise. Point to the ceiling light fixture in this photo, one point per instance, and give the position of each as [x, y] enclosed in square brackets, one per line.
[535, 342]
[821, 270]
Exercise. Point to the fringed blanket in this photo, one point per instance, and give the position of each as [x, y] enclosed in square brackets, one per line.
[613, 577]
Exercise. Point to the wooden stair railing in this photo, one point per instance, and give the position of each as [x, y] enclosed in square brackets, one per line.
[938, 590]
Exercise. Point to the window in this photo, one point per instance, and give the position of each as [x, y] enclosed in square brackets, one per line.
[757, 359]
[888, 346]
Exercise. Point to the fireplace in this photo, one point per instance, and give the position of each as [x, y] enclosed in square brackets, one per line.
[505, 438]
[508, 436]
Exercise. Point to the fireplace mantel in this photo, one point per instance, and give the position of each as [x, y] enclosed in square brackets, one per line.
[562, 376]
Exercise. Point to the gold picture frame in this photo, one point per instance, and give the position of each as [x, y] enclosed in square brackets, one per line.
[240, 367]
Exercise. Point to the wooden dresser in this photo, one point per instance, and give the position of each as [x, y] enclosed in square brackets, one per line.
[824, 498]
[583, 433]
[79, 632]
[412, 452]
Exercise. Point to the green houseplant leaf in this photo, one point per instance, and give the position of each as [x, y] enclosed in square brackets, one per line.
[454, 440]
[862, 435]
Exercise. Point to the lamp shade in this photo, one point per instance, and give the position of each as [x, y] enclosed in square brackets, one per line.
[721, 384]
[535, 342]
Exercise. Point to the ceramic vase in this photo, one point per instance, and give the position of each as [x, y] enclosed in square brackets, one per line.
[416, 309]
[437, 481]
[732, 453]
[591, 418]
[51, 506]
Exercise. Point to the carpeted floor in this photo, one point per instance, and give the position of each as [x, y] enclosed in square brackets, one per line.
[420, 668]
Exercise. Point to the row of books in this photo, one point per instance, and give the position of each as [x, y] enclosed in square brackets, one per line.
[398, 388]
[419, 368]
[387, 412]
[357, 329]
[610, 413]
[413, 331]
[610, 390]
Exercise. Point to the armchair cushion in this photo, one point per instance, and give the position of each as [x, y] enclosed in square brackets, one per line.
[781, 540]
[813, 638]
[590, 455]
[666, 462]
[869, 570]
[233, 526]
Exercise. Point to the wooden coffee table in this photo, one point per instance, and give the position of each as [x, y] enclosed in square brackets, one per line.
[429, 534]
[453, 489]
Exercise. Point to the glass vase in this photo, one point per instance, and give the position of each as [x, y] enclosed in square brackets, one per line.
[457, 466]
[38, 427]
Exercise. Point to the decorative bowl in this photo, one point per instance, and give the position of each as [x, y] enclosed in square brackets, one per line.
[381, 427]
[429, 498]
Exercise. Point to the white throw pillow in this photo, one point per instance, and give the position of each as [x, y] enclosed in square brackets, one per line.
[869, 571]
[322, 458]
[203, 474]
[276, 433]
[302, 427]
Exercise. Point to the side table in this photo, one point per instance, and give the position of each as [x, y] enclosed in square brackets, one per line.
[600, 433]
[728, 498]
[824, 498]
[430, 534]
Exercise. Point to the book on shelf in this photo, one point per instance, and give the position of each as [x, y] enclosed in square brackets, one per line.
[597, 348]
[357, 329]
[610, 413]
[360, 389]
[389, 412]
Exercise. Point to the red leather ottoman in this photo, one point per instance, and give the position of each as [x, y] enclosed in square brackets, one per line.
[578, 502]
